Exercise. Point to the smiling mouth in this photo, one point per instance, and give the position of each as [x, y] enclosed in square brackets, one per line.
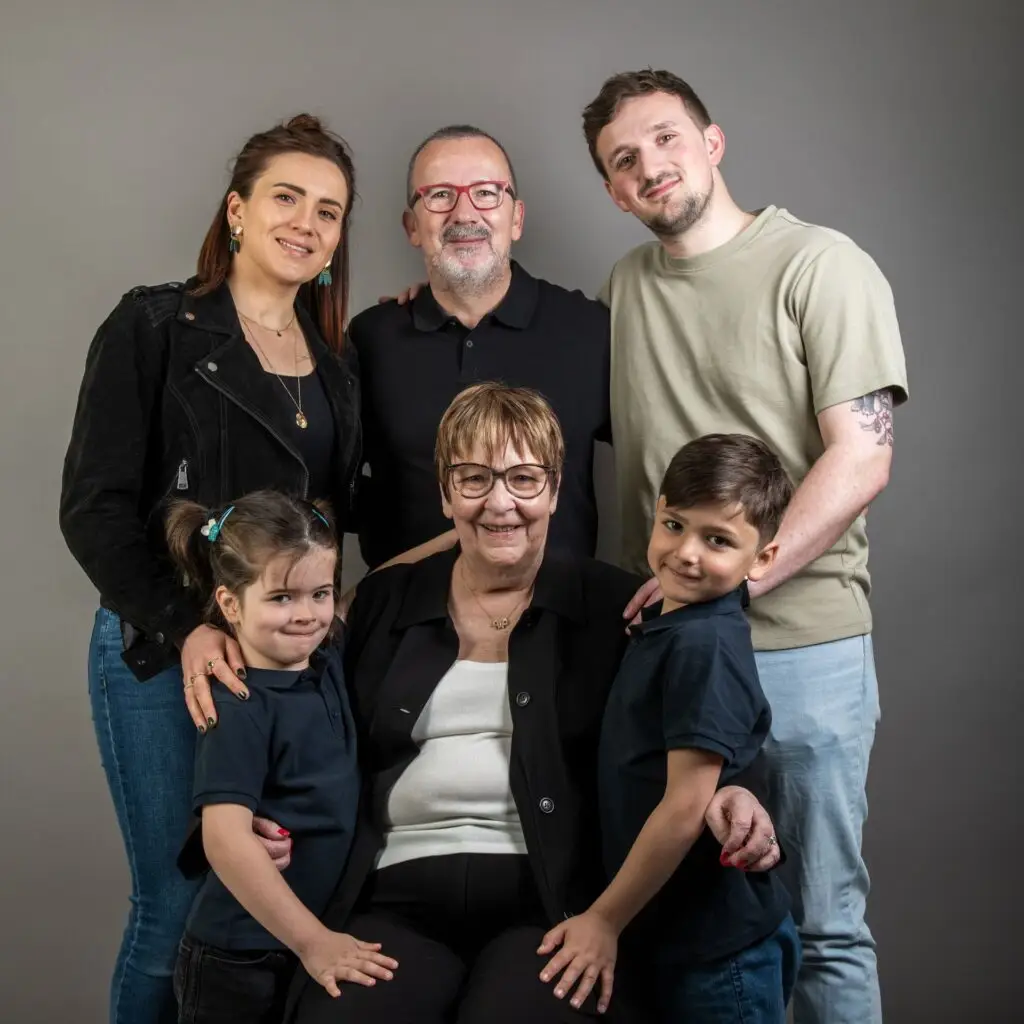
[294, 249]
[498, 529]
[658, 191]
[684, 576]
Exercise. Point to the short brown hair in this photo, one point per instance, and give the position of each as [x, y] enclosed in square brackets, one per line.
[730, 469]
[627, 86]
[250, 532]
[494, 414]
[304, 133]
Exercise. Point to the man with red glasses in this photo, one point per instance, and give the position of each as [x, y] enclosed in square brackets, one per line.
[482, 317]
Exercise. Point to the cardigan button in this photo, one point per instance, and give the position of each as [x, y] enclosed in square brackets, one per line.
[190, 316]
[159, 638]
[547, 805]
[212, 367]
[522, 699]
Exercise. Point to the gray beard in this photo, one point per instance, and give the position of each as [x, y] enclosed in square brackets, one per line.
[673, 225]
[469, 281]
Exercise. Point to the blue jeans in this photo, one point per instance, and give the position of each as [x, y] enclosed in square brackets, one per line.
[751, 987]
[824, 701]
[147, 745]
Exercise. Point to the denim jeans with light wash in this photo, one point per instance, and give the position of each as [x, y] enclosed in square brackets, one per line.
[147, 745]
[824, 701]
[750, 987]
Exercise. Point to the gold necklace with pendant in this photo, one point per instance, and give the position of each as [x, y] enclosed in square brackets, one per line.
[502, 622]
[300, 416]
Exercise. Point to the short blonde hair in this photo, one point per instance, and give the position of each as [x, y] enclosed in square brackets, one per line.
[492, 415]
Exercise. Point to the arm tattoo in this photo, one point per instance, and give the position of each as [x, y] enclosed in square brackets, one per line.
[875, 410]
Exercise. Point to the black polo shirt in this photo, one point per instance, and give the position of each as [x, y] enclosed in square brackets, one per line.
[288, 753]
[415, 359]
[688, 681]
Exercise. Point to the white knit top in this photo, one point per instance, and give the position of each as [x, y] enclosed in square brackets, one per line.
[455, 796]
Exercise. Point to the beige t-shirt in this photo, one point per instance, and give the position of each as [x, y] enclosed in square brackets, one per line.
[757, 336]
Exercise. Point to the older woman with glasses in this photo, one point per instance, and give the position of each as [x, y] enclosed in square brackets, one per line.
[479, 679]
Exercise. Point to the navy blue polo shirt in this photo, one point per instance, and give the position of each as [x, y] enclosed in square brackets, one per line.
[688, 681]
[288, 753]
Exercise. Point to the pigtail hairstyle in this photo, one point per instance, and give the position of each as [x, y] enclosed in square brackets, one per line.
[188, 548]
[231, 547]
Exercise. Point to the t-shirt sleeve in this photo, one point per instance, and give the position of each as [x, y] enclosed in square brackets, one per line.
[851, 336]
[604, 293]
[712, 699]
[232, 759]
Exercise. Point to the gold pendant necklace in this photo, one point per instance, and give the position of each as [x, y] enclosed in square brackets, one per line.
[501, 622]
[300, 416]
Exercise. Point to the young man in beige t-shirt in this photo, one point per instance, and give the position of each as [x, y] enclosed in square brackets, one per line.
[759, 323]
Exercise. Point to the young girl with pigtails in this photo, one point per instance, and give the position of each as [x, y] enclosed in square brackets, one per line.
[265, 566]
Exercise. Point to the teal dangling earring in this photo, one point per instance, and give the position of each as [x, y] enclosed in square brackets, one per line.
[233, 243]
[325, 276]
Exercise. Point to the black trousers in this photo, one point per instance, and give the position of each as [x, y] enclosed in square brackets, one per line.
[218, 986]
[465, 931]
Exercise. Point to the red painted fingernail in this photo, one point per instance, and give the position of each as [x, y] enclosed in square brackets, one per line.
[724, 859]
[283, 832]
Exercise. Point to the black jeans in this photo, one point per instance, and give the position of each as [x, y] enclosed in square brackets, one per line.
[219, 986]
[465, 931]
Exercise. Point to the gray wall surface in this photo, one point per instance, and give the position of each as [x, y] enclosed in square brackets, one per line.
[897, 122]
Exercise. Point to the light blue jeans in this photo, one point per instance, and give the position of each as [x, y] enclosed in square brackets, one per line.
[824, 702]
[147, 745]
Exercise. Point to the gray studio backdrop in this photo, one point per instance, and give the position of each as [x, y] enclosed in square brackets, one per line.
[897, 122]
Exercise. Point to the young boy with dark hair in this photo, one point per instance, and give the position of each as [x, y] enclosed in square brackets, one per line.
[685, 715]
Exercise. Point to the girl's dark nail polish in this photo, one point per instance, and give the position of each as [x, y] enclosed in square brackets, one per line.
[240, 672]
[211, 722]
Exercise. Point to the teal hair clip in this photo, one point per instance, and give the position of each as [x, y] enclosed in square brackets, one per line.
[211, 530]
[321, 517]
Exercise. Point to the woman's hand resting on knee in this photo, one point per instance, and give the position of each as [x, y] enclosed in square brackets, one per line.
[334, 956]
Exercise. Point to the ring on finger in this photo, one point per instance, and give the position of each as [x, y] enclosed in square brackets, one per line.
[211, 663]
[772, 841]
[189, 685]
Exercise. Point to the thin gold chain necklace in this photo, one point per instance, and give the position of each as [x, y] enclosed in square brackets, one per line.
[502, 622]
[300, 416]
[287, 326]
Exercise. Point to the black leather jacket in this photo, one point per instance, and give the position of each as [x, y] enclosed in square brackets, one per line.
[174, 403]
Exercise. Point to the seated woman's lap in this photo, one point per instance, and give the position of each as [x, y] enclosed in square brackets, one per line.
[465, 931]
[435, 985]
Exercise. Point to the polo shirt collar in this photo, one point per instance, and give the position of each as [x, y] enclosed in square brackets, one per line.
[515, 309]
[653, 621]
[558, 589]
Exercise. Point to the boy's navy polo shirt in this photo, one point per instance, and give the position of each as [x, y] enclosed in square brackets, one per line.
[288, 753]
[688, 681]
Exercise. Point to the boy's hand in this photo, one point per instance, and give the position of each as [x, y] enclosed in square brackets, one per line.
[589, 947]
[335, 956]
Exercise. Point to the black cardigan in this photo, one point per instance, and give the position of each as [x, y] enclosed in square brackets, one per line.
[563, 655]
